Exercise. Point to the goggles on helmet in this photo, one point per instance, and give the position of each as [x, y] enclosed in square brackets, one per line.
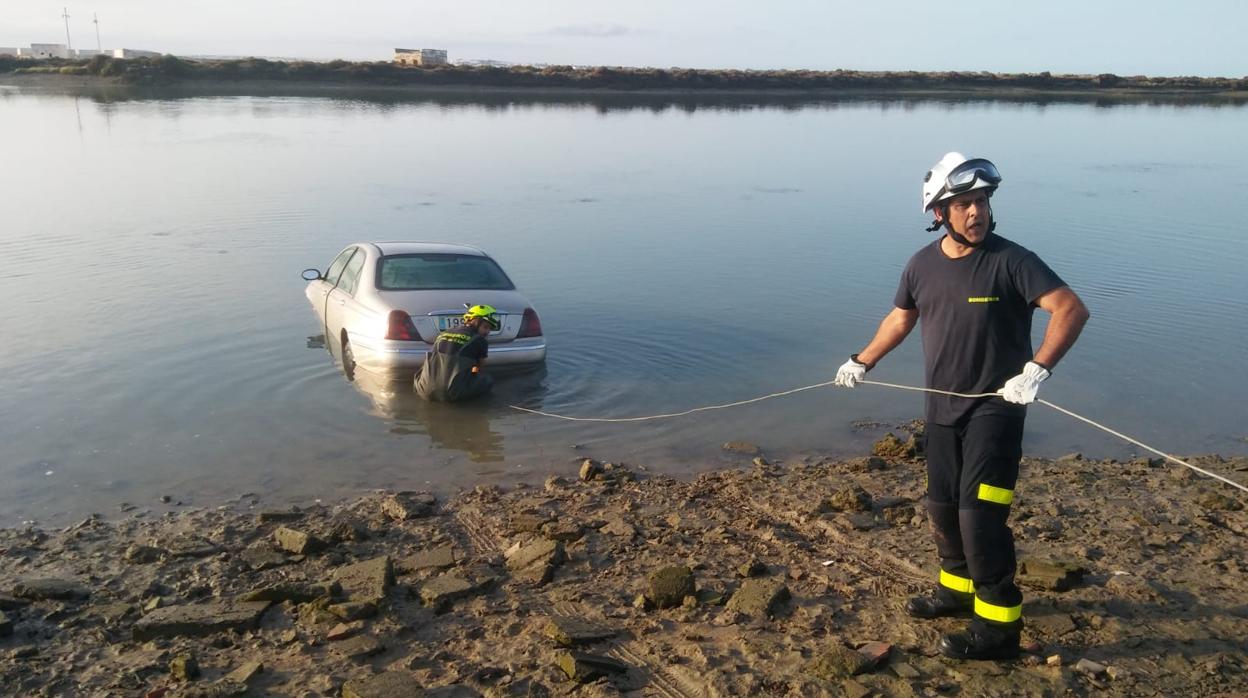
[963, 177]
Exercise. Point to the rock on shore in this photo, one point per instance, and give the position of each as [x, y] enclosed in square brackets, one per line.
[784, 579]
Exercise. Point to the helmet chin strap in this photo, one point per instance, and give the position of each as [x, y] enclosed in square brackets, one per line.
[961, 239]
[940, 220]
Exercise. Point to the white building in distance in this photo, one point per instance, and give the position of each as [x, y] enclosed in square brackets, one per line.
[132, 53]
[39, 51]
[420, 56]
[45, 51]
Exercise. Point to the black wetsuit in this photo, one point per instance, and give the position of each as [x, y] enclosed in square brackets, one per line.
[975, 312]
[447, 375]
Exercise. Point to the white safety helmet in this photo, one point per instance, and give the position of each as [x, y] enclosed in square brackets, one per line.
[957, 174]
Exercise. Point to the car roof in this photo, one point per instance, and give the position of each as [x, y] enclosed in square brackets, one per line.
[389, 248]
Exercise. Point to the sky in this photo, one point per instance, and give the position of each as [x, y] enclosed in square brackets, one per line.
[1140, 37]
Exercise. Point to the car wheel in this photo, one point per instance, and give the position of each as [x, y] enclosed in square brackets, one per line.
[348, 358]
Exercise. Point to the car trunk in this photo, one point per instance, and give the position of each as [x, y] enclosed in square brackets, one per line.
[434, 311]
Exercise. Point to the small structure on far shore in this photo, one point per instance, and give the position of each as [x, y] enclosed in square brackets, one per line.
[132, 53]
[420, 56]
[46, 51]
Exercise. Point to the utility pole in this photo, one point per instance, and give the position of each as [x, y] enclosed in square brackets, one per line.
[68, 42]
[99, 48]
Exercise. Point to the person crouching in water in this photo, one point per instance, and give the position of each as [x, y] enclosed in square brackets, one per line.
[452, 370]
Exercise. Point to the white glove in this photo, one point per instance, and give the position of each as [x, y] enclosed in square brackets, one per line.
[850, 374]
[1022, 389]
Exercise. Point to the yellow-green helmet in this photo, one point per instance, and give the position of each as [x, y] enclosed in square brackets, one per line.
[484, 312]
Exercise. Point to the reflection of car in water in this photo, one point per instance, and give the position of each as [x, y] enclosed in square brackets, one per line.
[463, 428]
[385, 303]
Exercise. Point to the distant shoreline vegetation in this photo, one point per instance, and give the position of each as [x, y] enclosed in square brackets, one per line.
[170, 70]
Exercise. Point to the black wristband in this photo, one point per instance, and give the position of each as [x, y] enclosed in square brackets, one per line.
[854, 358]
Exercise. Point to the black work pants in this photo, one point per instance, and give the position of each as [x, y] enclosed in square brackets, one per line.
[476, 384]
[972, 468]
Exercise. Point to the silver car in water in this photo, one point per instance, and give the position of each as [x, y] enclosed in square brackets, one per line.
[382, 304]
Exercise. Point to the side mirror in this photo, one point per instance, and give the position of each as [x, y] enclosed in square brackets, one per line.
[311, 275]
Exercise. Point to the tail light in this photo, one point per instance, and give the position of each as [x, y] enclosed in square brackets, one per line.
[530, 326]
[401, 327]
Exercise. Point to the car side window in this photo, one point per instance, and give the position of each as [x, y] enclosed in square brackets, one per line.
[351, 274]
[335, 269]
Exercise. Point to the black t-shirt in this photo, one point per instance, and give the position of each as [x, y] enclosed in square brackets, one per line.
[975, 317]
[476, 349]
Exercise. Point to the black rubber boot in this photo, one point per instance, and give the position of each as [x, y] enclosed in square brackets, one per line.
[980, 641]
[942, 604]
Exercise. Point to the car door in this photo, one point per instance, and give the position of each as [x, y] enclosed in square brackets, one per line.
[318, 291]
[341, 309]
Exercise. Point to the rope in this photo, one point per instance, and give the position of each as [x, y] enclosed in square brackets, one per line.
[675, 414]
[930, 390]
[724, 406]
[1144, 446]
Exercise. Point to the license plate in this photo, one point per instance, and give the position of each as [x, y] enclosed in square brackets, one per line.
[454, 322]
[450, 322]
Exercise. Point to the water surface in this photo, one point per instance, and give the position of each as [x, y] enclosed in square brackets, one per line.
[158, 341]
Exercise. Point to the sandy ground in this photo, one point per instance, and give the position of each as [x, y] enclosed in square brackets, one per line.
[783, 579]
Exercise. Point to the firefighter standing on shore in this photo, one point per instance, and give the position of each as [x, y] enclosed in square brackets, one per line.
[975, 293]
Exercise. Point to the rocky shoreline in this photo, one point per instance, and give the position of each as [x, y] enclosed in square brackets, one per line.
[169, 69]
[781, 579]
[113, 89]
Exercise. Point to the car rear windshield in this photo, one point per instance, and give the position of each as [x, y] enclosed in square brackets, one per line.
[412, 272]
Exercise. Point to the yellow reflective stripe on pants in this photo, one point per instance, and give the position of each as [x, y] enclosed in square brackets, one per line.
[997, 495]
[999, 614]
[959, 584]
